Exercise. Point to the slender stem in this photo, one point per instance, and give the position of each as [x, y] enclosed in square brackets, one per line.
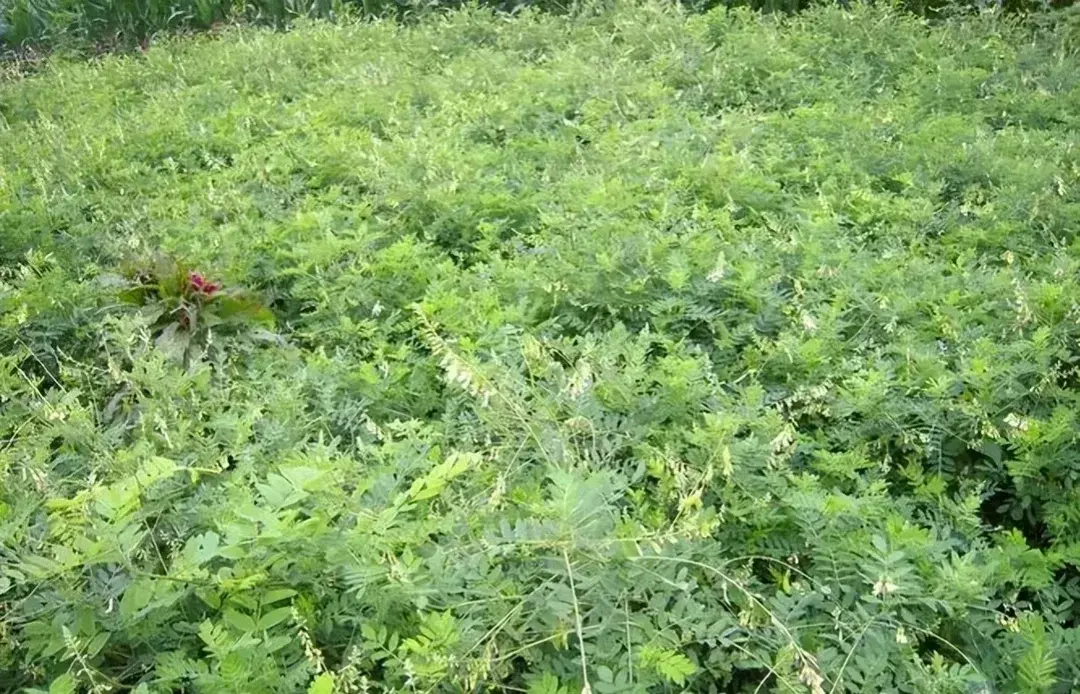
[585, 689]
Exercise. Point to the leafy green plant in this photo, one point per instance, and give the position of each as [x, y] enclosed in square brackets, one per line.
[184, 309]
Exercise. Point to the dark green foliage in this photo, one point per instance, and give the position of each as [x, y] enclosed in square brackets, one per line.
[634, 348]
[109, 24]
[112, 24]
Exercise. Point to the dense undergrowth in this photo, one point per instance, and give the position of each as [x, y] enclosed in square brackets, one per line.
[96, 25]
[617, 352]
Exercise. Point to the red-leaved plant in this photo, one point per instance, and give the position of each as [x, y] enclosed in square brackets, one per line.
[186, 308]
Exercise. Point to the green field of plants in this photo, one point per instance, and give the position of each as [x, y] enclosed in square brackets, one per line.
[618, 350]
[110, 24]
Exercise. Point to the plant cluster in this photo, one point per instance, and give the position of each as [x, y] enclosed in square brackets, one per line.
[184, 309]
[621, 351]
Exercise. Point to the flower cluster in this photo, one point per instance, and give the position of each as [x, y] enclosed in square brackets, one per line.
[200, 285]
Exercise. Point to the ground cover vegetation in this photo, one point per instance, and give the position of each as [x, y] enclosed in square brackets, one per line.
[626, 350]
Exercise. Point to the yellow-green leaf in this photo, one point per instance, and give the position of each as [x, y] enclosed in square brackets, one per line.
[323, 684]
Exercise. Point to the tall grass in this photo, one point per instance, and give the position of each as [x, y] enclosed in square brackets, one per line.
[110, 23]
[116, 23]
